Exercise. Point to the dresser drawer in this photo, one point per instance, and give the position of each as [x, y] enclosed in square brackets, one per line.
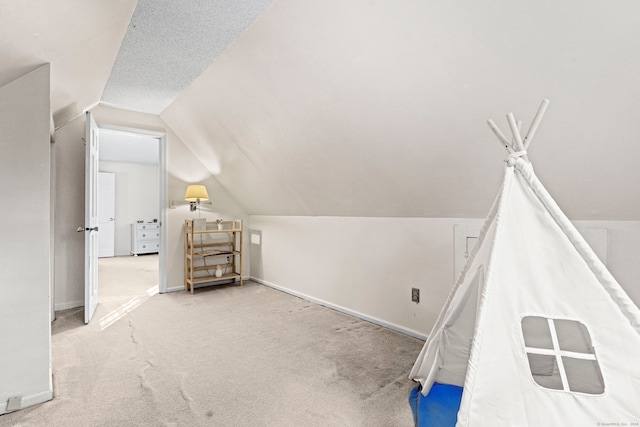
[147, 234]
[142, 247]
[146, 226]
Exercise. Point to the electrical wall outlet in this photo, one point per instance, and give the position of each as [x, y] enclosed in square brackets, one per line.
[415, 295]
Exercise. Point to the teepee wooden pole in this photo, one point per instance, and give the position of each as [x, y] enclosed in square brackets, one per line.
[501, 138]
[514, 131]
[516, 134]
[519, 125]
[536, 122]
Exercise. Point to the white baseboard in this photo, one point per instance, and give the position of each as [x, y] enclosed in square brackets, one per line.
[375, 320]
[67, 305]
[33, 399]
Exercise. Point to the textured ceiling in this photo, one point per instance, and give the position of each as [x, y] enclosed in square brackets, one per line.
[171, 42]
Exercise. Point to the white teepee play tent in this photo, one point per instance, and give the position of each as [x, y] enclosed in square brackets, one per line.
[535, 330]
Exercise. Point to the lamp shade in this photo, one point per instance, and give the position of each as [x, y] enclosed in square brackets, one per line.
[196, 193]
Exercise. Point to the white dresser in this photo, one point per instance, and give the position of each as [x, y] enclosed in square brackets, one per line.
[145, 238]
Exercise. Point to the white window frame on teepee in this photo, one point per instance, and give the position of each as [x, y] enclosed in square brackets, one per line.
[557, 352]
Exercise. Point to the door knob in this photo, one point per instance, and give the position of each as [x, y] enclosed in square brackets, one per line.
[81, 229]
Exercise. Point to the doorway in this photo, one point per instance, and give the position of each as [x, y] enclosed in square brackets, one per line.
[135, 160]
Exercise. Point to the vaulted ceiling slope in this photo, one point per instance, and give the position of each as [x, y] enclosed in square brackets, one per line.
[79, 38]
[378, 108]
[370, 107]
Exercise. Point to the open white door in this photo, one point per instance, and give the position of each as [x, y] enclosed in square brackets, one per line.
[91, 220]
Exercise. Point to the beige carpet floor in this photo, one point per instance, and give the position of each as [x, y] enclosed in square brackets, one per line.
[225, 356]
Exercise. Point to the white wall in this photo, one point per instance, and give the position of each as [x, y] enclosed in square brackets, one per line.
[369, 265]
[623, 252]
[366, 265]
[25, 328]
[137, 198]
[69, 215]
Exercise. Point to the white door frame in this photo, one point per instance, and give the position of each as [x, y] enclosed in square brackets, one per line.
[163, 201]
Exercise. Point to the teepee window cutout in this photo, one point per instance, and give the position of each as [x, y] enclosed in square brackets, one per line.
[561, 356]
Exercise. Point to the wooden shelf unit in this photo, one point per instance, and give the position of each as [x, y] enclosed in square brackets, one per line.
[206, 250]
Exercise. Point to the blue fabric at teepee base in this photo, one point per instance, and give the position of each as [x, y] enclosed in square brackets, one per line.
[439, 408]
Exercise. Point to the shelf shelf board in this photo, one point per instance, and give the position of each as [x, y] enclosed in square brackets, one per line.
[207, 279]
[200, 255]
